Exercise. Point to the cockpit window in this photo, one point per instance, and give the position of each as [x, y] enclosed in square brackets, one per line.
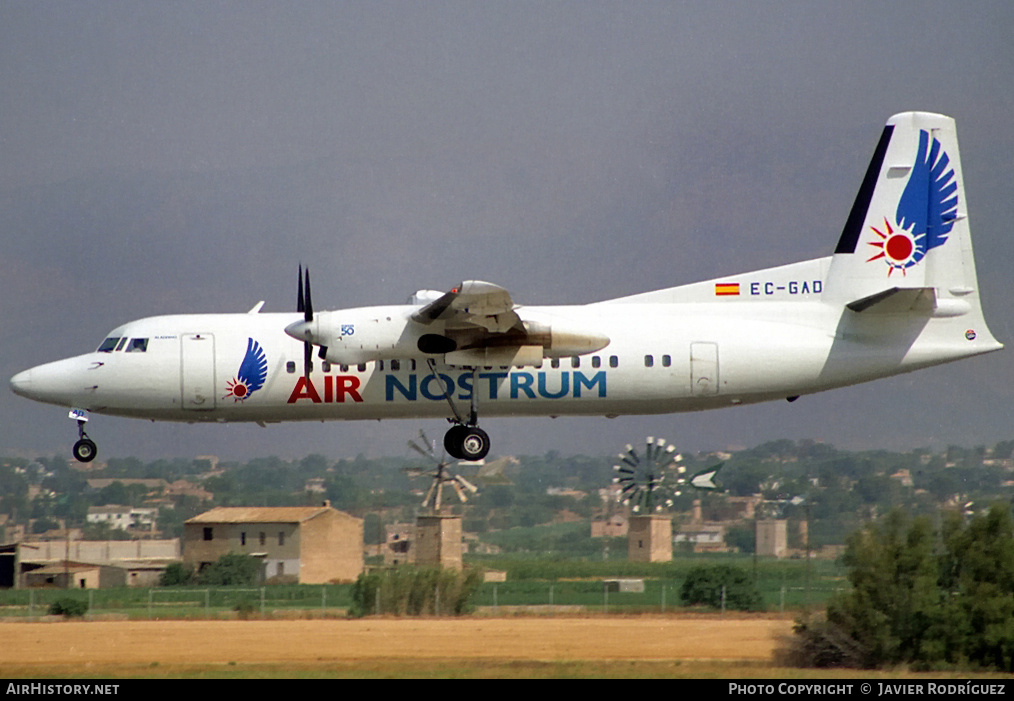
[116, 343]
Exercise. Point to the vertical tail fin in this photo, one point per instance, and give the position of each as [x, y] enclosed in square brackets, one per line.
[904, 262]
[908, 227]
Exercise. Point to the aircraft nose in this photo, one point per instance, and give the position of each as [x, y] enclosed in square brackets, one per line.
[21, 384]
[64, 382]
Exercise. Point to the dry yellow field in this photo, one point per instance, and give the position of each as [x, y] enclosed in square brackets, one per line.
[111, 647]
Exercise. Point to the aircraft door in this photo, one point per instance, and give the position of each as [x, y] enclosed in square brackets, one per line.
[197, 371]
[703, 369]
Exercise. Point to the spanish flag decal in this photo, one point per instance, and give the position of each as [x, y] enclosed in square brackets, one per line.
[726, 289]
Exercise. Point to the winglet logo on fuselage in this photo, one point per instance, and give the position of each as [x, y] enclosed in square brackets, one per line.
[926, 211]
[253, 372]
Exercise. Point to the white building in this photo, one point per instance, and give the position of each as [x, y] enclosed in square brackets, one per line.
[124, 517]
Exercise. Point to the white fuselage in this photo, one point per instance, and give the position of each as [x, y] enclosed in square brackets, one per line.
[661, 357]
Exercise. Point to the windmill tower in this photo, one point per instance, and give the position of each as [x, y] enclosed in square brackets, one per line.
[648, 484]
[642, 487]
[437, 529]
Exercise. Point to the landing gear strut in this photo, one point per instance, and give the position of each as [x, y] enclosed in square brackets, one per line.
[85, 449]
[464, 440]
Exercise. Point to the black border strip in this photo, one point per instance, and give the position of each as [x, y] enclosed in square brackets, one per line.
[853, 226]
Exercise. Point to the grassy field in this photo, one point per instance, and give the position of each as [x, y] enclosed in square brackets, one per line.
[785, 586]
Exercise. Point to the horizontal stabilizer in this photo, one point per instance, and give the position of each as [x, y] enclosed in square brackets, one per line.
[897, 300]
[911, 300]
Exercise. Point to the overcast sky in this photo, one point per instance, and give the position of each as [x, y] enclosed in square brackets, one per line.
[177, 157]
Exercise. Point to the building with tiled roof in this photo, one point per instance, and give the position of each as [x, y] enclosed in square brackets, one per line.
[304, 544]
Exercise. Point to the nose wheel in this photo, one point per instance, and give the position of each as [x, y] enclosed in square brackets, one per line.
[85, 449]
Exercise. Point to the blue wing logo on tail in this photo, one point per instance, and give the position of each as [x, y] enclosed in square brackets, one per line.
[253, 372]
[926, 211]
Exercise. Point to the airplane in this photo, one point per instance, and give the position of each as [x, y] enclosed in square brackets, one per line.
[899, 293]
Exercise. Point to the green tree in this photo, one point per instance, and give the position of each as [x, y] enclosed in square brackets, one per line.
[894, 601]
[978, 574]
[920, 597]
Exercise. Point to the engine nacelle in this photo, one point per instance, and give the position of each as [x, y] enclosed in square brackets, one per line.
[364, 335]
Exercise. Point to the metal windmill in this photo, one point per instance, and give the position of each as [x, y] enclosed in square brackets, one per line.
[650, 482]
[439, 474]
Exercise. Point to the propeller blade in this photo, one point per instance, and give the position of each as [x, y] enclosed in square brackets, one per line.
[461, 494]
[308, 303]
[305, 306]
[300, 304]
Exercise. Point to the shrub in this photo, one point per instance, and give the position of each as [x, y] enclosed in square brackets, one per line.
[414, 591]
[245, 609]
[68, 607]
[818, 643]
[175, 575]
[705, 585]
[231, 569]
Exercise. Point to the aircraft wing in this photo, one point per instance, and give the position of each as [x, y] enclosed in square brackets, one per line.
[473, 303]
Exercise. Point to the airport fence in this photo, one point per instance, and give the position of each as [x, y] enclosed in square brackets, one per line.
[333, 600]
[184, 602]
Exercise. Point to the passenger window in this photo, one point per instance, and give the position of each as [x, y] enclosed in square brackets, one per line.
[596, 362]
[614, 361]
[343, 367]
[137, 345]
[108, 345]
[290, 367]
[362, 367]
[325, 366]
[554, 363]
[575, 362]
[666, 361]
[395, 365]
[649, 361]
[380, 365]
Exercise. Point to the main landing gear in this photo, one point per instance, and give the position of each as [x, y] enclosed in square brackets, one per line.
[85, 449]
[464, 440]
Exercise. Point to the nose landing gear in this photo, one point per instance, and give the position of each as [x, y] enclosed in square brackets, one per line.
[85, 449]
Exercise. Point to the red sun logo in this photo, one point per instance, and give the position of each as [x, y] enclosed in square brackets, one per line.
[897, 248]
[237, 390]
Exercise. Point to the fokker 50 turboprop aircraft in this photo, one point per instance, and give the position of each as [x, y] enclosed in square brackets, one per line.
[898, 294]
